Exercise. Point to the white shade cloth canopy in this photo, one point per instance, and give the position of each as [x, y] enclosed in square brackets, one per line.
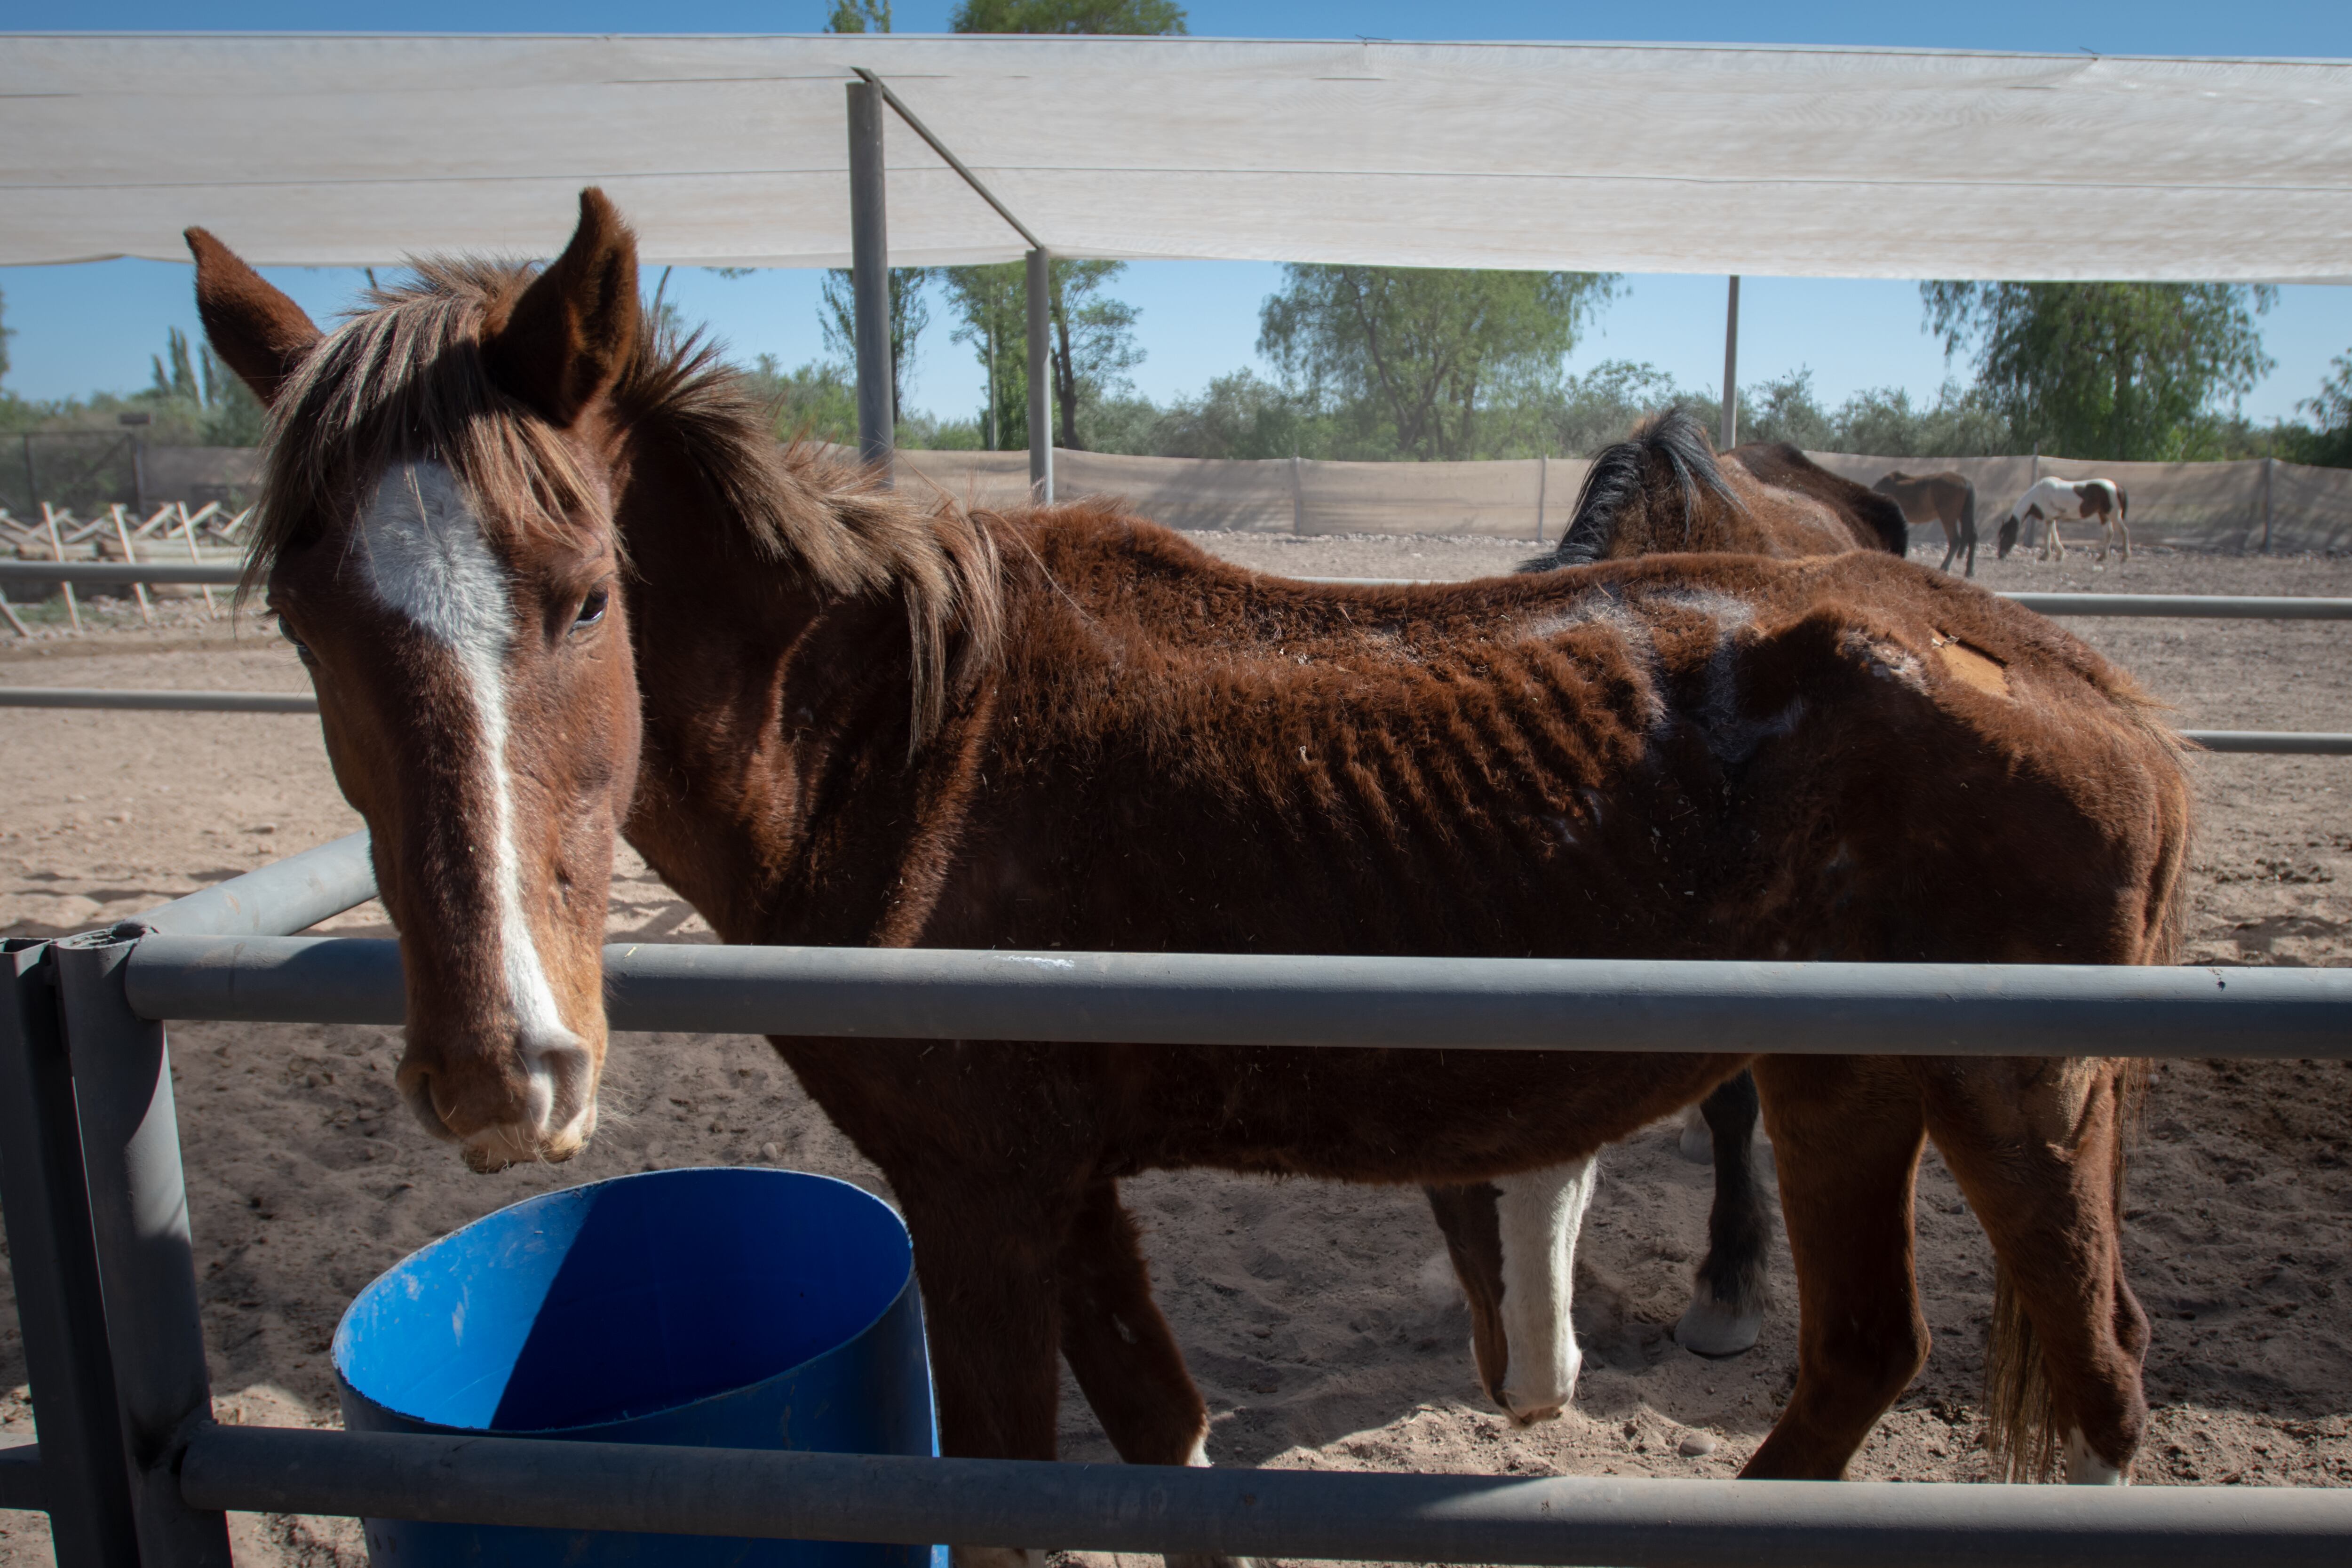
[732, 151]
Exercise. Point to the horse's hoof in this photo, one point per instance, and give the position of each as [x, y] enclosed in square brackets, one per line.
[1714, 1330]
[1697, 1144]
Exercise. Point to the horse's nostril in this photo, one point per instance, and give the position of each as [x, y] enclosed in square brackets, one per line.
[416, 1089]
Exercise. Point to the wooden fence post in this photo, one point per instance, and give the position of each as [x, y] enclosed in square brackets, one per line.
[58, 549]
[131, 557]
[188, 531]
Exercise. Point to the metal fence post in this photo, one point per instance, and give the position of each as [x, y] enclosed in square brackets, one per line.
[2270, 467]
[84, 1485]
[869, 277]
[1041, 375]
[1731, 365]
[139, 1220]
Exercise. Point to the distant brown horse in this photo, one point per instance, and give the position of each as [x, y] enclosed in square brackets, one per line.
[1946, 498]
[552, 583]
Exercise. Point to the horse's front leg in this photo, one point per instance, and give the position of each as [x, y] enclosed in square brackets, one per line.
[987, 1246]
[1513, 1242]
[1118, 1345]
[1727, 1300]
[1122, 1352]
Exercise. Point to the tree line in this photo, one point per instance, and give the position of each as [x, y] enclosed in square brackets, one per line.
[1401, 364]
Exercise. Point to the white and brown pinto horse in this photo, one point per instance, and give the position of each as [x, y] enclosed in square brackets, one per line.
[554, 584]
[2054, 501]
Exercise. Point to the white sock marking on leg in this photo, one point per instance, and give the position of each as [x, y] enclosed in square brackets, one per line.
[1540, 1214]
[2085, 1469]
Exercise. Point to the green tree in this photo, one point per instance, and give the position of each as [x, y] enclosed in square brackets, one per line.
[1414, 357]
[1147, 17]
[2117, 371]
[859, 17]
[2331, 443]
[910, 314]
[1090, 342]
[991, 310]
[201, 389]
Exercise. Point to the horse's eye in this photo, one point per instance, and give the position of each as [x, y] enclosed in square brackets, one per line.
[592, 608]
[301, 648]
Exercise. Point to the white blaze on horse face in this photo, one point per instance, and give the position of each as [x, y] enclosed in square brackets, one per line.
[421, 548]
[1539, 1214]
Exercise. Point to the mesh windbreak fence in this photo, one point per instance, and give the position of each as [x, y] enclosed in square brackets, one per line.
[2200, 506]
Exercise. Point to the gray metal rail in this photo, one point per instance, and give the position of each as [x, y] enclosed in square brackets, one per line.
[21, 1480]
[1426, 1003]
[2189, 606]
[2278, 741]
[1638, 1520]
[2273, 742]
[277, 900]
[154, 702]
[2164, 606]
[213, 573]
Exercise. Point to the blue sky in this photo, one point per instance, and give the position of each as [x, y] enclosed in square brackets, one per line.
[93, 327]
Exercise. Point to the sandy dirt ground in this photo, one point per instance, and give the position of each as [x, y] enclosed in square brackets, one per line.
[1320, 1321]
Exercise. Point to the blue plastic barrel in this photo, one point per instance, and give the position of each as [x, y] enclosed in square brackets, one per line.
[733, 1308]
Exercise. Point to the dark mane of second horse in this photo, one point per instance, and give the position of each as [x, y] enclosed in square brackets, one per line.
[1667, 470]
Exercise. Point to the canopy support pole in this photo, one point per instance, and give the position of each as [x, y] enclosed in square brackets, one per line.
[870, 246]
[1731, 367]
[1040, 376]
[1040, 280]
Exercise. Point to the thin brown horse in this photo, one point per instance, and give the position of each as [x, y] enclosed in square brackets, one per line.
[553, 584]
[1946, 498]
[1663, 489]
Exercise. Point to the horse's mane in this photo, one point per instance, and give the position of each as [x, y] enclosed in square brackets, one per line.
[404, 379]
[1620, 477]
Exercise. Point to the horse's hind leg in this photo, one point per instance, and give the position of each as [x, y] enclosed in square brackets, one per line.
[2037, 1148]
[1951, 547]
[1727, 1309]
[1513, 1242]
[1846, 1134]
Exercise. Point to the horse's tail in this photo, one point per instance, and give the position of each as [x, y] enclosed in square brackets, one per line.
[2020, 1414]
[1668, 450]
[2123, 503]
[1967, 511]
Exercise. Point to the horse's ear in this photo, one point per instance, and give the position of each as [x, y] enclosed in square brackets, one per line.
[568, 336]
[258, 332]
